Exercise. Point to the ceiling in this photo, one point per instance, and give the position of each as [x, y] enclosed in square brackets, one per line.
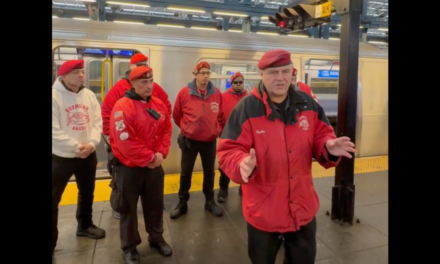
[202, 13]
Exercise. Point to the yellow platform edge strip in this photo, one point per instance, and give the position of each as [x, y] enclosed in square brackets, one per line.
[102, 189]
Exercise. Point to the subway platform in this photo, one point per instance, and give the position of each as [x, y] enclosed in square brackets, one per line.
[201, 238]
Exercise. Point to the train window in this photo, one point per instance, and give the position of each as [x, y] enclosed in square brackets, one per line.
[223, 69]
[322, 75]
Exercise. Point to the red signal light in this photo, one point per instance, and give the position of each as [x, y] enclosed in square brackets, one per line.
[281, 24]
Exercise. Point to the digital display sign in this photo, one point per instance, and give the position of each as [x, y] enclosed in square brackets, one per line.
[127, 53]
[328, 74]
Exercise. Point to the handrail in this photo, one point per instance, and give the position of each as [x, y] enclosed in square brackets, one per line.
[102, 77]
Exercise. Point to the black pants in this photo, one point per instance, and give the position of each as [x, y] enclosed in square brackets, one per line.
[189, 156]
[223, 180]
[85, 173]
[149, 185]
[300, 246]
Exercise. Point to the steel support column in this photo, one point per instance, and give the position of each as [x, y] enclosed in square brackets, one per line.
[325, 31]
[246, 26]
[344, 190]
[101, 10]
[225, 23]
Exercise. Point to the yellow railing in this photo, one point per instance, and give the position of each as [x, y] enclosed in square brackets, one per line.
[102, 76]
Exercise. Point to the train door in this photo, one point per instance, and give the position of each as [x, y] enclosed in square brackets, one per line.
[120, 67]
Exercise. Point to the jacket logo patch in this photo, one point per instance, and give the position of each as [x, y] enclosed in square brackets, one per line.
[214, 107]
[303, 123]
[117, 114]
[119, 125]
[77, 116]
[123, 136]
[260, 131]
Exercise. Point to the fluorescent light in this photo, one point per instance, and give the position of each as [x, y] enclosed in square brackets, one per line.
[265, 17]
[377, 42]
[127, 22]
[166, 25]
[185, 9]
[54, 17]
[203, 28]
[81, 18]
[88, 0]
[234, 30]
[230, 14]
[383, 29]
[299, 36]
[333, 39]
[266, 33]
[126, 4]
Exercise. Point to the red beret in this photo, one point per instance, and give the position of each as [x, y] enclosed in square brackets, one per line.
[274, 58]
[294, 72]
[141, 72]
[138, 57]
[202, 64]
[70, 65]
[235, 75]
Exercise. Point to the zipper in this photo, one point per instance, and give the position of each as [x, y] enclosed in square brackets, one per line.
[288, 176]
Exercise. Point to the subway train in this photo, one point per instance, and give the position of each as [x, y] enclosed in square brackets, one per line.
[106, 48]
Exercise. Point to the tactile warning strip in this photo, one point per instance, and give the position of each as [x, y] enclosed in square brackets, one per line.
[102, 189]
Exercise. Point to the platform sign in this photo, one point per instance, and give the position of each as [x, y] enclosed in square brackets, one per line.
[328, 74]
[323, 10]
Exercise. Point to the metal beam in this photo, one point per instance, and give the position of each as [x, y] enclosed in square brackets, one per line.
[233, 7]
[69, 12]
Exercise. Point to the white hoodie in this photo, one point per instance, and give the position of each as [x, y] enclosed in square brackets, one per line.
[76, 120]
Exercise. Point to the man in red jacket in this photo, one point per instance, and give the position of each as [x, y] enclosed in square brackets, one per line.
[301, 86]
[197, 113]
[230, 98]
[140, 138]
[267, 146]
[118, 91]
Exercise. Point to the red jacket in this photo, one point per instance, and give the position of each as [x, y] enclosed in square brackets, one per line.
[229, 100]
[134, 135]
[198, 118]
[117, 91]
[305, 88]
[279, 196]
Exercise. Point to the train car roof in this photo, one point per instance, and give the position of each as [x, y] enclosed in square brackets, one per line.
[71, 29]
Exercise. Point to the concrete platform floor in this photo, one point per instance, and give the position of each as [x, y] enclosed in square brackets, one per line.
[201, 238]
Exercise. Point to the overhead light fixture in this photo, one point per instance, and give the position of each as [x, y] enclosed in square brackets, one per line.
[377, 42]
[234, 30]
[126, 4]
[166, 25]
[333, 39]
[127, 22]
[299, 36]
[203, 28]
[266, 33]
[185, 9]
[230, 14]
[88, 0]
[383, 29]
[81, 18]
[54, 17]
